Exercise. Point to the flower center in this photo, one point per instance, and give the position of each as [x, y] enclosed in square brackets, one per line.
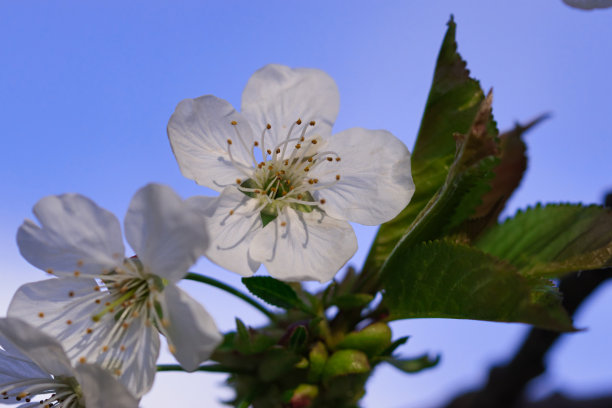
[283, 177]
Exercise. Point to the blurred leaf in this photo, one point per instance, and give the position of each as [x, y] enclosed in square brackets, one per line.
[446, 280]
[352, 301]
[298, 338]
[452, 105]
[389, 350]
[553, 240]
[507, 177]
[276, 363]
[274, 292]
[413, 365]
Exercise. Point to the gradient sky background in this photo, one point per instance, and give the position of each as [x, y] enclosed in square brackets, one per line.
[86, 90]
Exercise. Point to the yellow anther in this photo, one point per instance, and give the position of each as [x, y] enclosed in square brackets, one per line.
[231, 212]
[41, 315]
[68, 322]
[71, 294]
[104, 349]
[299, 121]
[98, 301]
[310, 160]
[314, 141]
[299, 196]
[337, 177]
[125, 325]
[278, 151]
[312, 123]
[269, 151]
[89, 331]
[297, 146]
[50, 271]
[306, 169]
[329, 159]
[315, 180]
[77, 273]
[238, 181]
[322, 201]
[256, 143]
[79, 263]
[117, 372]
[337, 159]
[229, 141]
[311, 181]
[234, 123]
[268, 126]
[283, 224]
[82, 360]
[122, 348]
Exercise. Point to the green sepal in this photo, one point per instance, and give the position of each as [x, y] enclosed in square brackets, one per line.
[268, 215]
[298, 338]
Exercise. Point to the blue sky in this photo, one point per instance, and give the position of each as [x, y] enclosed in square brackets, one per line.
[86, 90]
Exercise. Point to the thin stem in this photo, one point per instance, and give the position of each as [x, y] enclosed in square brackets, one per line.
[211, 368]
[220, 285]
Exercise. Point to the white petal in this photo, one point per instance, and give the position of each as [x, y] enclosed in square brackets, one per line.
[192, 332]
[137, 359]
[165, 233]
[375, 179]
[231, 235]
[51, 304]
[76, 235]
[279, 96]
[198, 131]
[589, 4]
[39, 348]
[311, 246]
[101, 390]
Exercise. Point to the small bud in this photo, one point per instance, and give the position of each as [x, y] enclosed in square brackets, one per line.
[344, 362]
[372, 340]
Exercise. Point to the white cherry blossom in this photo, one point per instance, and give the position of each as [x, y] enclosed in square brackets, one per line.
[109, 309]
[35, 372]
[288, 187]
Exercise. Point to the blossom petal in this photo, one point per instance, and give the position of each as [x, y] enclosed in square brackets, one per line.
[44, 351]
[309, 246]
[199, 130]
[375, 179]
[76, 236]
[64, 308]
[231, 235]
[279, 96]
[589, 4]
[165, 233]
[100, 389]
[191, 331]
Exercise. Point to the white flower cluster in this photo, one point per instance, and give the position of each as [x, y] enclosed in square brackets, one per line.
[89, 335]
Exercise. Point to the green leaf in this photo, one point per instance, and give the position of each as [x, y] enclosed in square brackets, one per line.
[413, 365]
[507, 177]
[467, 180]
[274, 292]
[553, 240]
[446, 280]
[452, 105]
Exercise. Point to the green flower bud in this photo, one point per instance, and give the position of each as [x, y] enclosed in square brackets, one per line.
[303, 395]
[344, 362]
[372, 340]
[318, 357]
